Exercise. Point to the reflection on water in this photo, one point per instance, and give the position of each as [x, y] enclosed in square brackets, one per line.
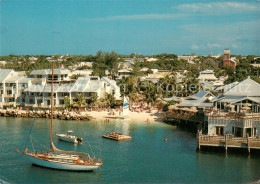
[146, 158]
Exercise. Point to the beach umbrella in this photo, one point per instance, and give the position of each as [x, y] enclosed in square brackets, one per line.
[230, 106]
[164, 102]
[173, 107]
[75, 105]
[193, 109]
[246, 108]
[185, 109]
[247, 104]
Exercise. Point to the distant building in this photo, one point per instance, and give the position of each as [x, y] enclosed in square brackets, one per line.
[207, 75]
[227, 60]
[187, 58]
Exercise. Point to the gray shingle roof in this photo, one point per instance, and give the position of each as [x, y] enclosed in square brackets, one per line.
[57, 71]
[247, 87]
[4, 74]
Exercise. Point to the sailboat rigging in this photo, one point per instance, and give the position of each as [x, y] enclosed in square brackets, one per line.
[60, 159]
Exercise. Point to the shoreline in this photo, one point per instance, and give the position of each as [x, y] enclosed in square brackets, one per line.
[83, 115]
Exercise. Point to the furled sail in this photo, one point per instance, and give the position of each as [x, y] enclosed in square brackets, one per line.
[54, 149]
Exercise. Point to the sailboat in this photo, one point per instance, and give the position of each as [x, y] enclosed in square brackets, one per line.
[59, 159]
[125, 108]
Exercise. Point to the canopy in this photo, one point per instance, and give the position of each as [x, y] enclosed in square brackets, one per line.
[246, 108]
[247, 104]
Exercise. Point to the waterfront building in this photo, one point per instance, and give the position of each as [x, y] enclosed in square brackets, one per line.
[39, 95]
[201, 100]
[12, 88]
[235, 119]
[60, 75]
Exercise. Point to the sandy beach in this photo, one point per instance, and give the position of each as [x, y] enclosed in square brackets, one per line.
[85, 115]
[132, 116]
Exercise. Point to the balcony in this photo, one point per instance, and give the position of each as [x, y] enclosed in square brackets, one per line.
[9, 95]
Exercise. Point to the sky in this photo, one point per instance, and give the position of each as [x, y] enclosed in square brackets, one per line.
[82, 27]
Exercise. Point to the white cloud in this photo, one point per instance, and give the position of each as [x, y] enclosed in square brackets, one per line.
[217, 7]
[212, 45]
[195, 47]
[235, 46]
[140, 17]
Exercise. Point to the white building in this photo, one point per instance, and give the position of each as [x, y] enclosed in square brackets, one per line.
[12, 88]
[39, 95]
[207, 75]
[238, 111]
[60, 75]
[201, 100]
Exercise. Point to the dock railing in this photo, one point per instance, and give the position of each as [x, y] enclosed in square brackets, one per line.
[228, 140]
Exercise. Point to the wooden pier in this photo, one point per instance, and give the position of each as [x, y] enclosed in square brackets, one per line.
[228, 141]
[188, 123]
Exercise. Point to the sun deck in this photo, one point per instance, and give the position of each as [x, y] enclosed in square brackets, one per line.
[228, 141]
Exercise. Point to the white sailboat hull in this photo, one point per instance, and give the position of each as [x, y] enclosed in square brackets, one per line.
[61, 166]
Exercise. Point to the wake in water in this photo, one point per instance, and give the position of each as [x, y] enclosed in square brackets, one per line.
[4, 182]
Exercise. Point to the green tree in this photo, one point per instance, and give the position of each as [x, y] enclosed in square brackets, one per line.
[80, 101]
[66, 102]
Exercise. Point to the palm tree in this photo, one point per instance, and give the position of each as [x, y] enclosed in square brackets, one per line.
[81, 101]
[93, 98]
[66, 102]
[109, 99]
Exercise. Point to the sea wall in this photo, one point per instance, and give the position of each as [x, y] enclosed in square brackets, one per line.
[63, 115]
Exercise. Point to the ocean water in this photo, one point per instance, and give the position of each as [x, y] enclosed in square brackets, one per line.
[147, 158]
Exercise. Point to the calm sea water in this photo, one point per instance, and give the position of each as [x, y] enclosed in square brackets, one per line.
[146, 158]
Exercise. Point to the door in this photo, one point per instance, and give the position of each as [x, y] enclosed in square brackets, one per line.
[219, 130]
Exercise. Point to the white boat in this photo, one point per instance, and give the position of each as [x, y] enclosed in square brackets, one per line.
[59, 159]
[69, 137]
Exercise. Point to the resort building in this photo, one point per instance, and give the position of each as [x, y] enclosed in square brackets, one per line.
[12, 88]
[235, 120]
[60, 75]
[39, 95]
[201, 100]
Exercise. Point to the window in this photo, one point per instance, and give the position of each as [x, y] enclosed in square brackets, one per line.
[219, 130]
[30, 101]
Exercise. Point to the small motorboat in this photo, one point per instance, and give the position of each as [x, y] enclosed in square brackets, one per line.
[69, 137]
[117, 136]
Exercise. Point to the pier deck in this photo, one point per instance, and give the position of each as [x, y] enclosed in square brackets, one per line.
[229, 141]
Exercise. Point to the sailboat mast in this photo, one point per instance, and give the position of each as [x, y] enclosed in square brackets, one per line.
[52, 78]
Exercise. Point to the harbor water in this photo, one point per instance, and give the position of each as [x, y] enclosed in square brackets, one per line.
[145, 158]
